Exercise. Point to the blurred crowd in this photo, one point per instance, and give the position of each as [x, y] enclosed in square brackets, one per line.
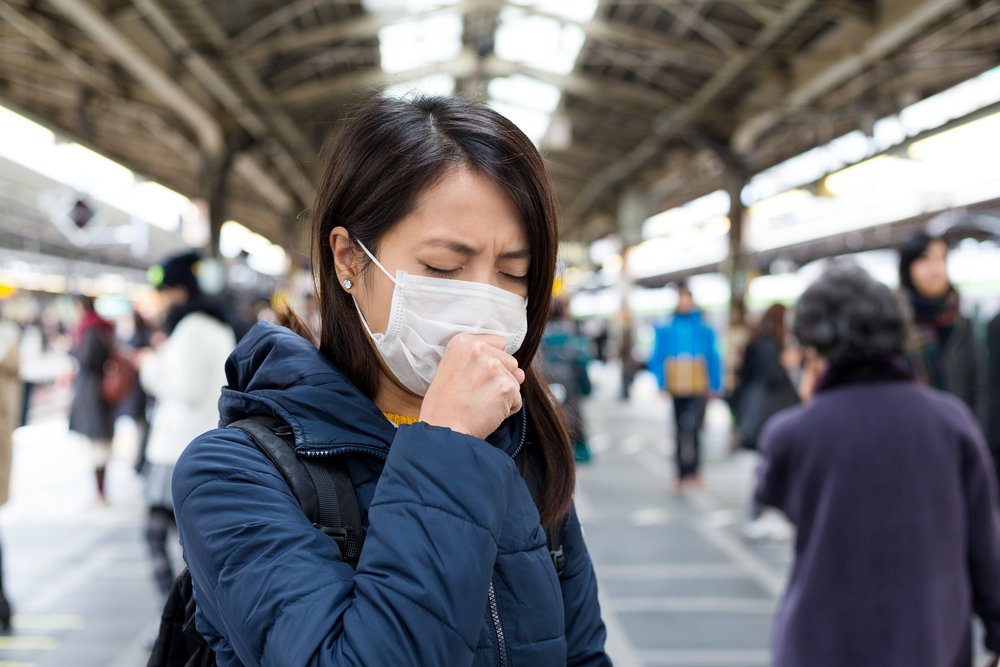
[875, 415]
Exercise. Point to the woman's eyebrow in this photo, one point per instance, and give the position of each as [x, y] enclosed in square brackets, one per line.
[454, 246]
[463, 249]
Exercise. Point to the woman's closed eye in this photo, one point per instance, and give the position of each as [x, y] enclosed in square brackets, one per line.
[514, 277]
[443, 273]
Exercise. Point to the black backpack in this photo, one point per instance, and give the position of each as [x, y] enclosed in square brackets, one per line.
[326, 495]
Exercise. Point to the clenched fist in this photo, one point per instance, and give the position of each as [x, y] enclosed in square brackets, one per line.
[476, 387]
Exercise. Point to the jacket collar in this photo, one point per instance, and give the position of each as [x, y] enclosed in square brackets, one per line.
[887, 369]
[693, 316]
[275, 371]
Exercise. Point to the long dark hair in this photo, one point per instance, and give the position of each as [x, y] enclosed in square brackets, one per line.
[910, 252]
[386, 153]
[771, 323]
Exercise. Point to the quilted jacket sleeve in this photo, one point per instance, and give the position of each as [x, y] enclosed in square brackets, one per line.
[276, 588]
[585, 632]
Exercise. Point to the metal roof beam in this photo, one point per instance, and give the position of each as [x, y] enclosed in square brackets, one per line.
[680, 51]
[609, 92]
[274, 123]
[898, 22]
[210, 138]
[669, 124]
[86, 17]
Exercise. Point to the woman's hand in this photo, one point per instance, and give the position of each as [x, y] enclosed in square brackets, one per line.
[476, 387]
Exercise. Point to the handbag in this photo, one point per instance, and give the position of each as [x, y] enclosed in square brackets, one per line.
[117, 379]
[686, 375]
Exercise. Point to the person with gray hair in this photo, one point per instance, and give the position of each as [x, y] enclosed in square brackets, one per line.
[890, 488]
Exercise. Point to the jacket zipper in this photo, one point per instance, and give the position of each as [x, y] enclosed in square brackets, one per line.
[375, 451]
[360, 449]
[498, 627]
[524, 431]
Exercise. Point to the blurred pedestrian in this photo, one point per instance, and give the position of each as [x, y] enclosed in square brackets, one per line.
[993, 376]
[890, 487]
[435, 243]
[31, 352]
[764, 386]
[944, 350]
[566, 354]
[10, 406]
[686, 364]
[138, 405]
[183, 373]
[90, 414]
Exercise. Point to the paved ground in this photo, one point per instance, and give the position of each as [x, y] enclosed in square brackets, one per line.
[679, 585]
[77, 572]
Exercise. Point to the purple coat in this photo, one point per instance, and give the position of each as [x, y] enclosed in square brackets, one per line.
[892, 493]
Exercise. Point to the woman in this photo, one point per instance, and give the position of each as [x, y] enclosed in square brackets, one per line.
[434, 239]
[183, 375]
[892, 495]
[764, 387]
[89, 414]
[943, 349]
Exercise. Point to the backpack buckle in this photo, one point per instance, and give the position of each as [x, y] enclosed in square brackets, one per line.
[558, 560]
[338, 534]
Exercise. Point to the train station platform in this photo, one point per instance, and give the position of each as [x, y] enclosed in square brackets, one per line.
[680, 585]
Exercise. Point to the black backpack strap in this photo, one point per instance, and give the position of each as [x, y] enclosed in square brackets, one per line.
[268, 435]
[323, 490]
[339, 515]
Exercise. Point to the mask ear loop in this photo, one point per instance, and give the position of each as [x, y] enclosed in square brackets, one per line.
[377, 263]
[364, 322]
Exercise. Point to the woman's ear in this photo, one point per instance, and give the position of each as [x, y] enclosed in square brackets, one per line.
[344, 260]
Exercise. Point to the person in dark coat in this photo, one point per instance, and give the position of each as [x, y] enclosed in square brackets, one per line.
[138, 404]
[944, 350]
[993, 375]
[435, 243]
[89, 414]
[764, 387]
[565, 355]
[889, 485]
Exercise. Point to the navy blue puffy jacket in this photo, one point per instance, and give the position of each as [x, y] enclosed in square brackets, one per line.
[449, 522]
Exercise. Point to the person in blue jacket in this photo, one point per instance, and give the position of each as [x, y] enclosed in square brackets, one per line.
[685, 361]
[434, 241]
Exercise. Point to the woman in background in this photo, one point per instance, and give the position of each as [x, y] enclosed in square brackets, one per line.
[944, 350]
[90, 414]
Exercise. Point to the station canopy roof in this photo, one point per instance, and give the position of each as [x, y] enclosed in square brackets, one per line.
[660, 95]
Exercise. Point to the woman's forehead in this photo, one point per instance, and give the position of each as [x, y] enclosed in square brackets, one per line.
[465, 210]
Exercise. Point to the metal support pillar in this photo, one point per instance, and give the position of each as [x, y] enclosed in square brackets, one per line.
[215, 171]
[216, 186]
[737, 269]
[633, 209]
[738, 264]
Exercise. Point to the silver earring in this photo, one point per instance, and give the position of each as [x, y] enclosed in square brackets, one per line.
[348, 284]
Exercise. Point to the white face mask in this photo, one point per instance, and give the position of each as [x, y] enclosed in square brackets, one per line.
[427, 313]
